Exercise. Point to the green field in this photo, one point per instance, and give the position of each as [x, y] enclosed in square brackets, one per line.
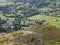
[3, 17]
[4, 4]
[49, 19]
[45, 8]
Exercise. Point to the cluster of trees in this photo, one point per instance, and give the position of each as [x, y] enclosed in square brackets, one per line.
[54, 4]
[17, 9]
[36, 2]
[6, 26]
[26, 8]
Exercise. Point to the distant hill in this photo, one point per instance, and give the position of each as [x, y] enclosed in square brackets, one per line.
[36, 2]
[2, 0]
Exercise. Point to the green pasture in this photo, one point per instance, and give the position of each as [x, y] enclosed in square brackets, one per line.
[49, 19]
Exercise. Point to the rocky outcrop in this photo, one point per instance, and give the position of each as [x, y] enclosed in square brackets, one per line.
[21, 38]
[29, 37]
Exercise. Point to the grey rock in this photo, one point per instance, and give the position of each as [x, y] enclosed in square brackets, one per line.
[30, 38]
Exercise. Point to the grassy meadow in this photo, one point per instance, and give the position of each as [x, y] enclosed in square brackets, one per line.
[49, 19]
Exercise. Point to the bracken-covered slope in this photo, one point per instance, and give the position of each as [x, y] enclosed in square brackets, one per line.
[47, 32]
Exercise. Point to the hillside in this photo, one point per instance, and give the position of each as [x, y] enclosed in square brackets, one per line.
[29, 22]
[20, 38]
[50, 34]
[49, 19]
